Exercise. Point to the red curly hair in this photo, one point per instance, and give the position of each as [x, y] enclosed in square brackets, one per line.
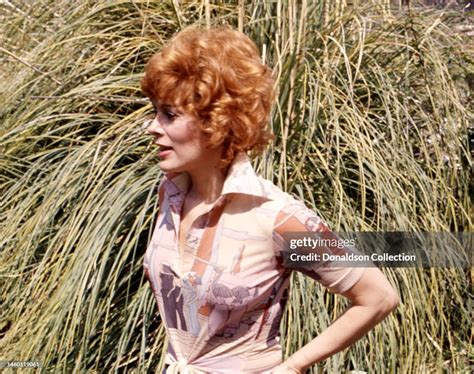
[217, 76]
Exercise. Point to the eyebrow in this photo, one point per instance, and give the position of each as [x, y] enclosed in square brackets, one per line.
[168, 107]
[162, 106]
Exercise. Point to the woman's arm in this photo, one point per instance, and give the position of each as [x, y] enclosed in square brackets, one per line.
[372, 299]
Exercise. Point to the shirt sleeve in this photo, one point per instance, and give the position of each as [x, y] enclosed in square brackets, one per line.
[296, 217]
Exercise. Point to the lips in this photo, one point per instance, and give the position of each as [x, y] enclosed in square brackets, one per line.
[165, 148]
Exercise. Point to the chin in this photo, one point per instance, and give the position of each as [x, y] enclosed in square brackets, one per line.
[164, 167]
[169, 168]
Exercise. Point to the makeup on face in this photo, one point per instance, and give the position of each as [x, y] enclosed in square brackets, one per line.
[181, 146]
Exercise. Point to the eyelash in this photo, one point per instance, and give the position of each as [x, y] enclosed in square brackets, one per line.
[169, 114]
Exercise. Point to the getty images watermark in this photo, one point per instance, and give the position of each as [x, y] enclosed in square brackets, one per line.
[383, 249]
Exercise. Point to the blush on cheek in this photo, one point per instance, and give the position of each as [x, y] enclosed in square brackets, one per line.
[192, 129]
[184, 130]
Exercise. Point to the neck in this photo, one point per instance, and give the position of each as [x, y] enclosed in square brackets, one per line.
[207, 184]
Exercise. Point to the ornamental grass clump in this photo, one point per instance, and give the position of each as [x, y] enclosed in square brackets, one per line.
[371, 127]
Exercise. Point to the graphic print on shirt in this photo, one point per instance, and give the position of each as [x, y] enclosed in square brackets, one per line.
[228, 304]
[191, 281]
[278, 309]
[173, 299]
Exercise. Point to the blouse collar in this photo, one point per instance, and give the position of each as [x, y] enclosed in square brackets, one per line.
[241, 179]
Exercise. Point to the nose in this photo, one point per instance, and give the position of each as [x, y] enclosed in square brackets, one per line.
[154, 127]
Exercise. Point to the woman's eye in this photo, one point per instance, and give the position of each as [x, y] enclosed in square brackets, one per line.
[164, 112]
[170, 115]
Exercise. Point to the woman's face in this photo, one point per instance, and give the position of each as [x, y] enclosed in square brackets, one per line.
[181, 145]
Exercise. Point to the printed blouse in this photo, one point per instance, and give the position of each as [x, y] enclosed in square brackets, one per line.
[222, 299]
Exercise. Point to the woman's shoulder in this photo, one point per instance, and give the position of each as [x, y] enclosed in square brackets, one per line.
[278, 195]
[289, 209]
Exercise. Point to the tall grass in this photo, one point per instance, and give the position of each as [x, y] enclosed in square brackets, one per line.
[372, 132]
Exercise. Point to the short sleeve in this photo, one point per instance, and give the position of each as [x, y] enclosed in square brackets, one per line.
[296, 217]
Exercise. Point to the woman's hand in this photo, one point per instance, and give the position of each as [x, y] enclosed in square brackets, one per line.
[286, 369]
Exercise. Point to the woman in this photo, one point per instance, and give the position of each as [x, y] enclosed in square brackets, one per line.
[215, 262]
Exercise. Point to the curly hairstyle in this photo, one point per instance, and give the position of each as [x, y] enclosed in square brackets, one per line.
[217, 76]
